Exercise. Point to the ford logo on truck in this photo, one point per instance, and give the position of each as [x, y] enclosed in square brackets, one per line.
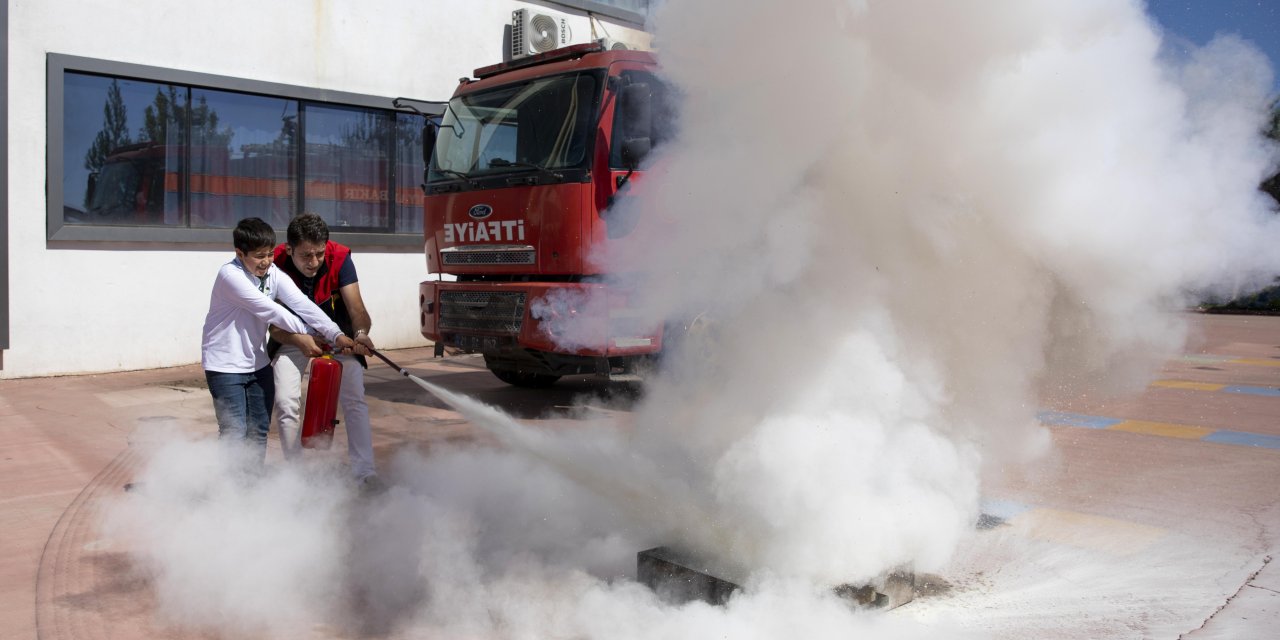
[480, 211]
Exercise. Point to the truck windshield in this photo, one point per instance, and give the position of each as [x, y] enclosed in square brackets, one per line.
[116, 191]
[540, 124]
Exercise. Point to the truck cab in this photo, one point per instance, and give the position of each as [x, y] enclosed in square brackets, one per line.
[522, 170]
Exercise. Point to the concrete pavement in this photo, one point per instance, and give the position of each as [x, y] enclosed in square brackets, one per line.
[1193, 458]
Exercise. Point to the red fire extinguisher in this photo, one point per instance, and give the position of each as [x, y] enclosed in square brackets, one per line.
[319, 416]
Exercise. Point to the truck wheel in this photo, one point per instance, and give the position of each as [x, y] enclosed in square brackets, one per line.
[526, 380]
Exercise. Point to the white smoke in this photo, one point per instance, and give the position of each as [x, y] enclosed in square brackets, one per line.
[899, 224]
[910, 221]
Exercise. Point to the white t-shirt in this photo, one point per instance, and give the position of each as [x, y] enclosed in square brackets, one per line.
[240, 308]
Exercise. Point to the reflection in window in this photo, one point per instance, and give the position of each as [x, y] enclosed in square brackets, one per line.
[242, 158]
[638, 6]
[346, 166]
[409, 200]
[602, 6]
[543, 123]
[137, 153]
[122, 151]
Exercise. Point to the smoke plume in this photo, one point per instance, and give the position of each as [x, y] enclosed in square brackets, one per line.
[904, 224]
[888, 229]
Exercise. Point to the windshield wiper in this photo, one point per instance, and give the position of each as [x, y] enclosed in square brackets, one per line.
[458, 174]
[503, 162]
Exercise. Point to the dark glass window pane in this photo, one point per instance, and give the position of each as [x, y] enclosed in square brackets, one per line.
[544, 123]
[346, 165]
[243, 159]
[638, 6]
[122, 151]
[408, 173]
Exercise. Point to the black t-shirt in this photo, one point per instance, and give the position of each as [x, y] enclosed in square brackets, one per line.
[333, 307]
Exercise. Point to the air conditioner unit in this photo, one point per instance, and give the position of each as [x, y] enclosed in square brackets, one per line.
[537, 32]
[611, 44]
[617, 44]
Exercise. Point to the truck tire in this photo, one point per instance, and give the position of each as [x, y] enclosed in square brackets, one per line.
[525, 380]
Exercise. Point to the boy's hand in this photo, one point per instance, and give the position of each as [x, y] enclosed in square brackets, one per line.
[307, 345]
[343, 344]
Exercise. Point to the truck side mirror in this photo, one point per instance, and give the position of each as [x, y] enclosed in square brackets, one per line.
[430, 131]
[634, 150]
[635, 107]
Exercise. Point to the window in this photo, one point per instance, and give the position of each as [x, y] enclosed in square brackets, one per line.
[409, 173]
[142, 154]
[116, 168]
[542, 124]
[347, 166]
[243, 159]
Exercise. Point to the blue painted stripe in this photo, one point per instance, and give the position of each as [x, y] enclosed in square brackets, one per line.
[1224, 436]
[1003, 509]
[1256, 391]
[1062, 418]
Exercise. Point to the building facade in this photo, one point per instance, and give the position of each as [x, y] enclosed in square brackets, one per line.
[139, 133]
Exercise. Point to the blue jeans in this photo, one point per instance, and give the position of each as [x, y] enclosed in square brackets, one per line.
[242, 404]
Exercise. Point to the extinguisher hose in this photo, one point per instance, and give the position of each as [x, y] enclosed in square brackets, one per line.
[389, 362]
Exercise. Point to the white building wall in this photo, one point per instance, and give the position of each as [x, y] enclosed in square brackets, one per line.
[97, 307]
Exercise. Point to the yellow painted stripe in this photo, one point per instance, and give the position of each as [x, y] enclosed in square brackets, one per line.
[1086, 531]
[1187, 384]
[1261, 362]
[1167, 429]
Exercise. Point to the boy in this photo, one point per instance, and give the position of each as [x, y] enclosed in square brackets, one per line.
[324, 271]
[233, 352]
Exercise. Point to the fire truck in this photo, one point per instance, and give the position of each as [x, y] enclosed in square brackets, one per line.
[522, 170]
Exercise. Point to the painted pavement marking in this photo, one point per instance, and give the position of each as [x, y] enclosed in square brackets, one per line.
[1244, 438]
[1187, 384]
[1163, 429]
[1257, 391]
[1167, 429]
[1073, 528]
[1257, 362]
[1211, 359]
[1087, 531]
[1062, 418]
[1225, 388]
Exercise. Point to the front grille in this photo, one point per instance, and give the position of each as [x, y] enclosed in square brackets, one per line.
[483, 311]
[521, 256]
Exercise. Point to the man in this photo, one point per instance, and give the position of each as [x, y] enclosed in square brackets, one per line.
[324, 272]
[233, 355]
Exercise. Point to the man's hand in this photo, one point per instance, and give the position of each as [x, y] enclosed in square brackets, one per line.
[364, 345]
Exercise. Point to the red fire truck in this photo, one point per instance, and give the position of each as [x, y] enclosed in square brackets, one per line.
[522, 170]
